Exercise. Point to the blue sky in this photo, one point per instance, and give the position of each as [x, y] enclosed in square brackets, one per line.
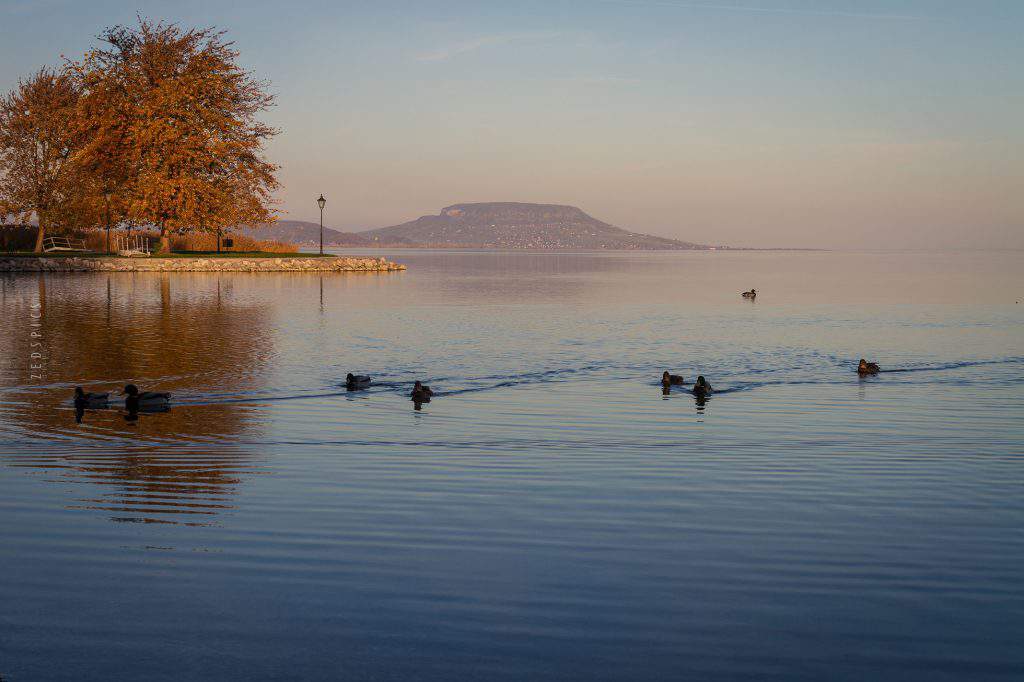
[764, 123]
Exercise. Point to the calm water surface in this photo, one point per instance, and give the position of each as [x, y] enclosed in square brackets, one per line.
[550, 514]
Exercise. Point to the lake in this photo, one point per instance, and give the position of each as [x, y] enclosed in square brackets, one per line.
[551, 514]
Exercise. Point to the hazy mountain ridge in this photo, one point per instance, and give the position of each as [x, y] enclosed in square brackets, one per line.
[513, 225]
[304, 232]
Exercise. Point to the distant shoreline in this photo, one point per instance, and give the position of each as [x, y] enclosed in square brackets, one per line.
[471, 247]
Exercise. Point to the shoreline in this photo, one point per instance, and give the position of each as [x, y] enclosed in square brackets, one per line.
[198, 264]
[502, 249]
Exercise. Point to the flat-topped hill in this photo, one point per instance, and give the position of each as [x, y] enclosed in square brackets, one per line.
[512, 225]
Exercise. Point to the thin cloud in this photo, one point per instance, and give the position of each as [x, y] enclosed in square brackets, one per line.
[769, 10]
[454, 50]
[598, 79]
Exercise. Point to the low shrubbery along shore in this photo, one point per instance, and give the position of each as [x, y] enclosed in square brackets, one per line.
[238, 263]
[14, 238]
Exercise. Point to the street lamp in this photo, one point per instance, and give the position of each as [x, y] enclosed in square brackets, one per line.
[106, 196]
[321, 201]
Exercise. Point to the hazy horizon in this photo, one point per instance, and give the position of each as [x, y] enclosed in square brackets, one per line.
[834, 125]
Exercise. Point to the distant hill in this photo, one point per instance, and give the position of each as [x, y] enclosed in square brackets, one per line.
[302, 232]
[509, 225]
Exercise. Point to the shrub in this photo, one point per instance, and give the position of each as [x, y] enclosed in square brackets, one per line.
[17, 237]
[199, 241]
[204, 241]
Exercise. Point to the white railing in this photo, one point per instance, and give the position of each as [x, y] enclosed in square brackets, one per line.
[132, 245]
[51, 244]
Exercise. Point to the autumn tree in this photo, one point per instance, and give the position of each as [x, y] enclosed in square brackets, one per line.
[38, 143]
[102, 125]
[171, 123]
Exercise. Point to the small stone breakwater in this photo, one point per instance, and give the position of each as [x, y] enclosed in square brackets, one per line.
[185, 264]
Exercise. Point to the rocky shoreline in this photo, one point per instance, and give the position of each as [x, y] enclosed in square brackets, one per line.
[185, 264]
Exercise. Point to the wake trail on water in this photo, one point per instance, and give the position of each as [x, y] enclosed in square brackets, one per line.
[725, 381]
[954, 365]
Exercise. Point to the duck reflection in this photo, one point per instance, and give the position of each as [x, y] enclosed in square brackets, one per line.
[133, 408]
[99, 330]
[700, 396]
[167, 486]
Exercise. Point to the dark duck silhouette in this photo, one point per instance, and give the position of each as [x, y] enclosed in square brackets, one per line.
[749, 294]
[701, 388]
[355, 382]
[421, 393]
[136, 400]
[90, 401]
[866, 367]
[671, 380]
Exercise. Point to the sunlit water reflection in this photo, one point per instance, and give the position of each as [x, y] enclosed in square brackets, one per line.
[550, 513]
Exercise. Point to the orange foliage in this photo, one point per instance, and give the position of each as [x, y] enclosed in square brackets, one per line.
[171, 129]
[38, 146]
[156, 128]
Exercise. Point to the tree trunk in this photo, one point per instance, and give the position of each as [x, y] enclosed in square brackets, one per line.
[40, 235]
[165, 242]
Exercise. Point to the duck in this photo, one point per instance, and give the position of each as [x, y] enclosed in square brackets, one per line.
[671, 380]
[421, 393]
[143, 399]
[866, 367]
[85, 400]
[354, 382]
[701, 388]
[749, 294]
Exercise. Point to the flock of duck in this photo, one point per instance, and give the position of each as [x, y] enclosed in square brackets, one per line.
[152, 401]
[136, 400]
[420, 394]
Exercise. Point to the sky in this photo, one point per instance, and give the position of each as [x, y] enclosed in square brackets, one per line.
[767, 123]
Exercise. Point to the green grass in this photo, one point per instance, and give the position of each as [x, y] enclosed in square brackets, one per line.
[239, 254]
[58, 254]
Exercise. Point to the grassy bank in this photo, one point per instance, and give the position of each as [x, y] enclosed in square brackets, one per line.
[173, 254]
[240, 254]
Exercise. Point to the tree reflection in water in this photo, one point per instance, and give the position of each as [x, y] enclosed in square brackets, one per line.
[189, 334]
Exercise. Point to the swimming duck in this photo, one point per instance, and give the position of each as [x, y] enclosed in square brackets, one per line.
[90, 401]
[749, 294]
[866, 367]
[671, 380]
[354, 382]
[421, 393]
[701, 388]
[143, 399]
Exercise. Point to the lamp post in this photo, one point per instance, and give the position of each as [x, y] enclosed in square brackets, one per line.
[321, 201]
[106, 196]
